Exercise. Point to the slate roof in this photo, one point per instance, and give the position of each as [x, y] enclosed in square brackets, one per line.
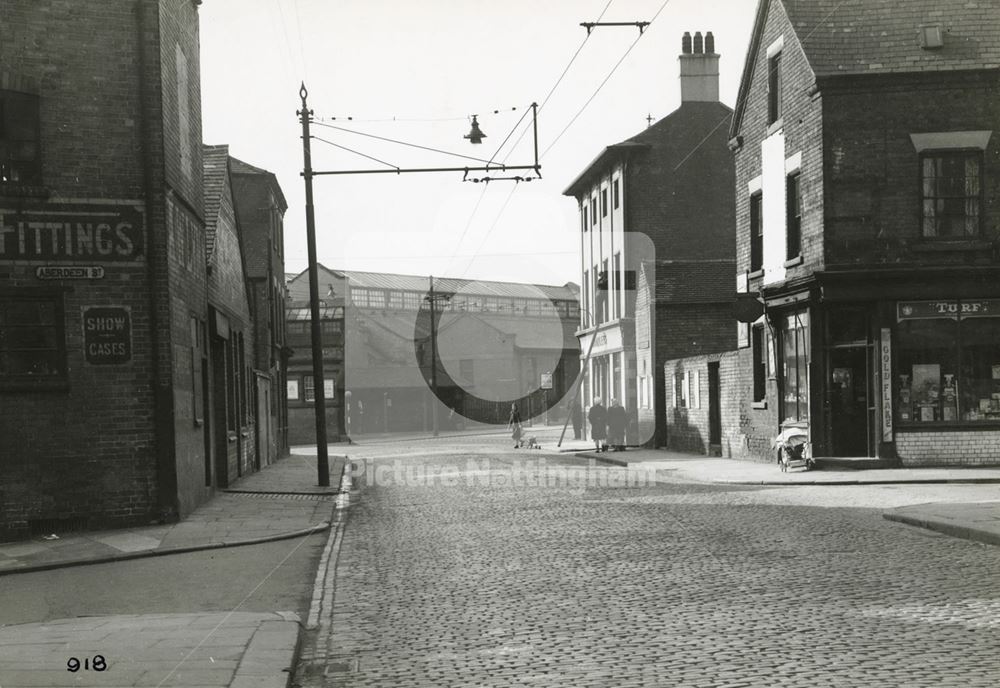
[215, 161]
[687, 282]
[881, 37]
[671, 136]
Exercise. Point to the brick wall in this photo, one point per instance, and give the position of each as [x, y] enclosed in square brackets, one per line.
[872, 167]
[955, 448]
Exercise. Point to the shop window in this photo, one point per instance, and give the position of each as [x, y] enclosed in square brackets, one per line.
[759, 350]
[756, 232]
[951, 194]
[774, 88]
[793, 215]
[948, 366]
[32, 341]
[20, 162]
[795, 361]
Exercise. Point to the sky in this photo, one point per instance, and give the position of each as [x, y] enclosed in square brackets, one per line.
[415, 71]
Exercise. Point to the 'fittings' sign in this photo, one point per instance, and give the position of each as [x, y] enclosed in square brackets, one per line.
[70, 233]
[107, 335]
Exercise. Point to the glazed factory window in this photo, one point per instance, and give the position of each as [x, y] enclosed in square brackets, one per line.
[948, 362]
[19, 157]
[951, 194]
[32, 340]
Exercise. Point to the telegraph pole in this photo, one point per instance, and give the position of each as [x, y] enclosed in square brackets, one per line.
[319, 389]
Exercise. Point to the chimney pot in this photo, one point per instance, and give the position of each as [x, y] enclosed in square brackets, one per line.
[698, 47]
[686, 43]
[709, 43]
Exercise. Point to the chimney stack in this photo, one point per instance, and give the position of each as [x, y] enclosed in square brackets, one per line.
[699, 68]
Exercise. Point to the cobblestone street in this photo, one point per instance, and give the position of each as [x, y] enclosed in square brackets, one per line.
[481, 570]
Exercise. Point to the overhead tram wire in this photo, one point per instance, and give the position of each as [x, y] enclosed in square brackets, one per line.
[515, 144]
[351, 150]
[603, 83]
[402, 143]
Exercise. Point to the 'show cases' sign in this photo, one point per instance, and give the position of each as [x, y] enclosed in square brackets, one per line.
[107, 335]
[73, 232]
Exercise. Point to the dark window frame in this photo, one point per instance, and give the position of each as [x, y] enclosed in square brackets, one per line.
[774, 88]
[793, 215]
[756, 231]
[966, 154]
[758, 348]
[58, 380]
[15, 167]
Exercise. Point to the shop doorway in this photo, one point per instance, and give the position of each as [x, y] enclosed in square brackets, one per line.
[714, 412]
[851, 407]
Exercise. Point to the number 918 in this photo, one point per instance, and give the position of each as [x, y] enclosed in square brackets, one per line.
[98, 663]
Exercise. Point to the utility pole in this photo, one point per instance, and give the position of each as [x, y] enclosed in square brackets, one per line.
[434, 357]
[319, 388]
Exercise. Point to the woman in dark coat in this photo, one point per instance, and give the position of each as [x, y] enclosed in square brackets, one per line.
[617, 420]
[598, 418]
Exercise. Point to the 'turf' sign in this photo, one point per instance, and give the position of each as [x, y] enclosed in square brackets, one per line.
[107, 335]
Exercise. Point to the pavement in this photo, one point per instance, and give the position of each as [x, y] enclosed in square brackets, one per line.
[234, 649]
[978, 521]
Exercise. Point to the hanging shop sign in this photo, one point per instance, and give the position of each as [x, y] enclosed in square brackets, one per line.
[70, 233]
[107, 335]
[953, 309]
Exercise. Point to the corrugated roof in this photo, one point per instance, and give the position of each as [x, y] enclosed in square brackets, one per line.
[880, 37]
[215, 162]
[695, 281]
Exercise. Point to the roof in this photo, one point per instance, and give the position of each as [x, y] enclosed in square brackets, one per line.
[879, 37]
[671, 136]
[215, 162]
[299, 285]
[866, 37]
[325, 313]
[241, 168]
[684, 282]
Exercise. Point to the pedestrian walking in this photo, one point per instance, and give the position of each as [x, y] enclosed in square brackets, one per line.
[598, 418]
[617, 420]
[576, 415]
[514, 425]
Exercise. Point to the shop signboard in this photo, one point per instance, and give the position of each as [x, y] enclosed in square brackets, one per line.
[885, 356]
[73, 233]
[952, 309]
[107, 335]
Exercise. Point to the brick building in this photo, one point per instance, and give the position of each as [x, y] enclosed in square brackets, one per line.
[106, 337]
[868, 214]
[260, 207]
[495, 340]
[663, 196]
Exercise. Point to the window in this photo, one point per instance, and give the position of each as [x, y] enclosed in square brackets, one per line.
[32, 340]
[593, 210]
[585, 224]
[292, 390]
[774, 88]
[948, 362]
[951, 194]
[19, 156]
[614, 193]
[793, 215]
[309, 388]
[795, 359]
[604, 202]
[756, 233]
[759, 352]
[330, 326]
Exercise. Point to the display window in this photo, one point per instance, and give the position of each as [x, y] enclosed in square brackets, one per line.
[795, 362]
[948, 361]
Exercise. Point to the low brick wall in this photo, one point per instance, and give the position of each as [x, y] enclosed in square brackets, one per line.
[949, 448]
